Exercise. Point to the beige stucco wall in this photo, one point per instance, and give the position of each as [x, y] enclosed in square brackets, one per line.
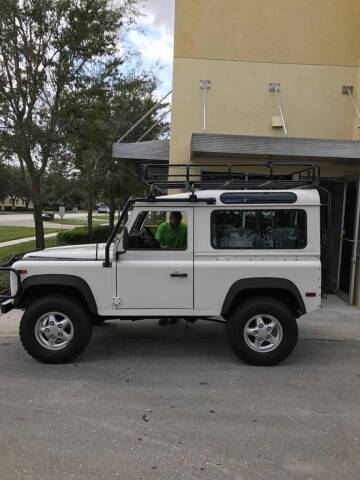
[320, 32]
[239, 101]
[312, 48]
[356, 135]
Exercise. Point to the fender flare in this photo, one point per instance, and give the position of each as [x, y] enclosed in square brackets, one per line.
[262, 283]
[72, 281]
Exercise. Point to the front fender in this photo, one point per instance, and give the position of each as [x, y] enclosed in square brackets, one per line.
[48, 280]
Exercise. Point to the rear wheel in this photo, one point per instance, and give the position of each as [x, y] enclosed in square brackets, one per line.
[262, 331]
[55, 329]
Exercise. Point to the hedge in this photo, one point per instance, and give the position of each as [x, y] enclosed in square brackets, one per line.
[80, 236]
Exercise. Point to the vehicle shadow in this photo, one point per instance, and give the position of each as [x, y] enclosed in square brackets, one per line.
[146, 339]
[185, 341]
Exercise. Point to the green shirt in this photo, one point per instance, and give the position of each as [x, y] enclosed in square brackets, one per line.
[171, 237]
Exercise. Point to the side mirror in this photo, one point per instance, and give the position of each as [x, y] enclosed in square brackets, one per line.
[125, 239]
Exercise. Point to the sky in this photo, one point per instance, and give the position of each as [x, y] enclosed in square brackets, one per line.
[154, 39]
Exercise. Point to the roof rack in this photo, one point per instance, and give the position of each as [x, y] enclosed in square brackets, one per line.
[209, 176]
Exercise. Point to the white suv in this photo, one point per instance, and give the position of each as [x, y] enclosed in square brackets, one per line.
[251, 259]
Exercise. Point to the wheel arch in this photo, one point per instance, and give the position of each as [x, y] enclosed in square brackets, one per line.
[279, 288]
[72, 285]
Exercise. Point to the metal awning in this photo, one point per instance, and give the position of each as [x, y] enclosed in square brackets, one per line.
[157, 150]
[246, 146]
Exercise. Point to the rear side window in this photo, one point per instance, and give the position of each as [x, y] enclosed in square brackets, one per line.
[258, 229]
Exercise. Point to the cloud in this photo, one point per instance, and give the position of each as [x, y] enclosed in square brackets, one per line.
[160, 16]
[155, 38]
[152, 48]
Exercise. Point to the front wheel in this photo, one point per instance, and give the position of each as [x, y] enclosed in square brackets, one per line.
[55, 329]
[262, 331]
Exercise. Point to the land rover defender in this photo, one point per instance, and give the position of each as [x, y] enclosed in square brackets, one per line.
[251, 260]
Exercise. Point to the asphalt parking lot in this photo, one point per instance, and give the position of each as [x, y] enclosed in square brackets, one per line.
[150, 402]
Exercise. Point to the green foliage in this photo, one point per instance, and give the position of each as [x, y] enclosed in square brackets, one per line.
[79, 236]
[19, 249]
[14, 184]
[96, 115]
[59, 189]
[45, 46]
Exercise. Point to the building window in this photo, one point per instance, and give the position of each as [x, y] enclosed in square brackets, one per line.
[258, 229]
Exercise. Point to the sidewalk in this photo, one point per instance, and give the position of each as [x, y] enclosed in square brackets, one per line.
[48, 235]
[24, 240]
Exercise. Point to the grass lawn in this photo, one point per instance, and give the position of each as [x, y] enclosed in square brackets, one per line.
[6, 252]
[68, 221]
[103, 217]
[73, 221]
[14, 233]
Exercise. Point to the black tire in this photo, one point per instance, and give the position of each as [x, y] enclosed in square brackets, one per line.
[239, 340]
[80, 331]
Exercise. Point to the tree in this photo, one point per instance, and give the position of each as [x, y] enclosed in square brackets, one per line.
[97, 114]
[4, 183]
[44, 47]
[13, 185]
[17, 186]
[118, 184]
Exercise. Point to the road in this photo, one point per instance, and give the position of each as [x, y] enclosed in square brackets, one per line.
[150, 402]
[27, 219]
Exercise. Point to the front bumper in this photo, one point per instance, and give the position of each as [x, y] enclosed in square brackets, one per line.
[6, 306]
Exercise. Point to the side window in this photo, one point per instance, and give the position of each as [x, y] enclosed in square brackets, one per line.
[166, 230]
[258, 229]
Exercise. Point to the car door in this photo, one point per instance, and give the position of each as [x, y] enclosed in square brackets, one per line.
[156, 278]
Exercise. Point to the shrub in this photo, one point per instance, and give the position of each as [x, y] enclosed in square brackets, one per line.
[77, 236]
[4, 281]
[23, 209]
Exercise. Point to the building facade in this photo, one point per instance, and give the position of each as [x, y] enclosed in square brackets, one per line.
[312, 49]
[309, 51]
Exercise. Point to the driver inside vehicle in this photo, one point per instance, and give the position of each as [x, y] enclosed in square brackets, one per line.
[173, 233]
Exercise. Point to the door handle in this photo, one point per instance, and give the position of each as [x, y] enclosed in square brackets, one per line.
[178, 275]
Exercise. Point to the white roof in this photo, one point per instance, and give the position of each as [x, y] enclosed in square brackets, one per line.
[304, 196]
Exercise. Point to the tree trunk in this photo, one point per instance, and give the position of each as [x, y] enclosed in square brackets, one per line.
[36, 198]
[112, 218]
[12, 200]
[90, 207]
[112, 214]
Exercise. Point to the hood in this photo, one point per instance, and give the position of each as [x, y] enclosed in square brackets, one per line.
[70, 252]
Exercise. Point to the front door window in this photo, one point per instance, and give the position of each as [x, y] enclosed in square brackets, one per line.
[162, 230]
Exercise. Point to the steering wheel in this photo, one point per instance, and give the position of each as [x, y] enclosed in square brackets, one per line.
[149, 239]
